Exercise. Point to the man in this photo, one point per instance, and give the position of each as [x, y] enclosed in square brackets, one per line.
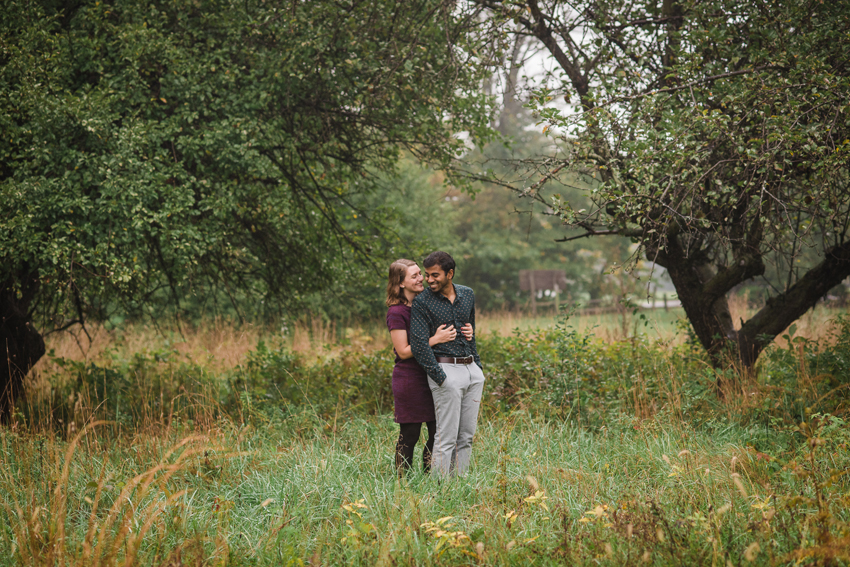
[454, 368]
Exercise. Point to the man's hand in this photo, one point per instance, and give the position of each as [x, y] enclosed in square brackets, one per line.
[467, 331]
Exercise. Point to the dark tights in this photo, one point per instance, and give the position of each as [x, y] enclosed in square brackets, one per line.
[407, 438]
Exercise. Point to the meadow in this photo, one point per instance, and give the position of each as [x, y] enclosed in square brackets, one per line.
[228, 445]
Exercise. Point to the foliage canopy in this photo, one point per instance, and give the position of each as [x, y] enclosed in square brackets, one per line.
[158, 150]
[720, 134]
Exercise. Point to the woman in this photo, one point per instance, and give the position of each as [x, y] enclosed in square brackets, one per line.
[411, 394]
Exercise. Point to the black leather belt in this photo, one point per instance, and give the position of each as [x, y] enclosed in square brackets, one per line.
[451, 360]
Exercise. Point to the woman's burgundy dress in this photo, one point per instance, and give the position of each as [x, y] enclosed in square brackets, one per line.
[411, 394]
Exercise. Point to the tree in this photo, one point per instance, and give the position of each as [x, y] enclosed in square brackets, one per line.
[495, 235]
[718, 131]
[154, 151]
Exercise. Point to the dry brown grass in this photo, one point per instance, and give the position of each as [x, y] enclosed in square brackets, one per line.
[221, 345]
[116, 526]
[218, 345]
[814, 325]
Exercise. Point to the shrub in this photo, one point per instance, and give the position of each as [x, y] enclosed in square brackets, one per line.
[558, 373]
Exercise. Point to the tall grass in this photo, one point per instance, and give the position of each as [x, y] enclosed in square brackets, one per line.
[220, 344]
[540, 492]
[589, 451]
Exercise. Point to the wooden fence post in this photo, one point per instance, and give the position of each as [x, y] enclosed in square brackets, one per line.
[556, 299]
[533, 293]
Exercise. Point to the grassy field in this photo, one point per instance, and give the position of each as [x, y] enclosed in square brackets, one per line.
[234, 447]
[540, 492]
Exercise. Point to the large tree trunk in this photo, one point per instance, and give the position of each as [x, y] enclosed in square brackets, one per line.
[780, 311]
[702, 289]
[708, 314]
[22, 346]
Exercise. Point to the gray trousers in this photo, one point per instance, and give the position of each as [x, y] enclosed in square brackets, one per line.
[456, 404]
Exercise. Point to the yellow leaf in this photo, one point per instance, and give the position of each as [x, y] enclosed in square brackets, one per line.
[598, 511]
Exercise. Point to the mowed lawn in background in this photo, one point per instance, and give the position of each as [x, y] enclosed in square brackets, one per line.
[247, 446]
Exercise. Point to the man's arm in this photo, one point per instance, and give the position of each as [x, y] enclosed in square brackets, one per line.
[419, 335]
[474, 333]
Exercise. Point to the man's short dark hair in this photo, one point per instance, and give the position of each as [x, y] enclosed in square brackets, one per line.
[442, 259]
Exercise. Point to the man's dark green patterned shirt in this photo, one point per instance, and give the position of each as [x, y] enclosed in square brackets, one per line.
[428, 312]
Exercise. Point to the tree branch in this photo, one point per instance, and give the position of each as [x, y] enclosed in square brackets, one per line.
[544, 179]
[724, 280]
[692, 84]
[63, 327]
[544, 34]
[590, 233]
[785, 308]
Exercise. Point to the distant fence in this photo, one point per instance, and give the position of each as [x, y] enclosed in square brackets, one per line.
[601, 306]
[550, 284]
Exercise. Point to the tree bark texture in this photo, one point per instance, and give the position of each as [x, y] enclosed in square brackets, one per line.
[708, 313]
[702, 290]
[22, 346]
[782, 310]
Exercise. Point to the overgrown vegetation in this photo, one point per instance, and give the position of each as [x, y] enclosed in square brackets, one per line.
[200, 158]
[588, 452]
[716, 136]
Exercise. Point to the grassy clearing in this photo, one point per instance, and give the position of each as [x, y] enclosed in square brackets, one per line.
[589, 451]
[540, 492]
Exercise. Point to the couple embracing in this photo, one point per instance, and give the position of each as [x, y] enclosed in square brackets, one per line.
[437, 378]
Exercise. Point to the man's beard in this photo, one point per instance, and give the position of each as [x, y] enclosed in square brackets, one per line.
[439, 287]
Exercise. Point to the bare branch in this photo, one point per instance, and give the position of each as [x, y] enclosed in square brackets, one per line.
[693, 83]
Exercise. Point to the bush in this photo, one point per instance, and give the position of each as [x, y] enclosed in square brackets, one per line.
[555, 373]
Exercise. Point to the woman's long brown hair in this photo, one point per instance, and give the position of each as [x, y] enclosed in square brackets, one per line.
[398, 271]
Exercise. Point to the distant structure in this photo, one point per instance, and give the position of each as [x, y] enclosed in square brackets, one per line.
[538, 280]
